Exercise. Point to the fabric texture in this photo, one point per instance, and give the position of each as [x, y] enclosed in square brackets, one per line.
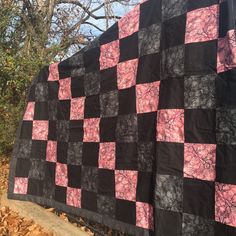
[137, 131]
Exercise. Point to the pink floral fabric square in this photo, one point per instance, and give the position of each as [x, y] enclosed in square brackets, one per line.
[40, 130]
[20, 185]
[64, 89]
[51, 153]
[110, 55]
[226, 59]
[53, 72]
[61, 178]
[73, 197]
[129, 24]
[170, 125]
[126, 73]
[144, 215]
[126, 184]
[199, 161]
[202, 24]
[107, 154]
[77, 108]
[147, 97]
[91, 130]
[29, 112]
[225, 202]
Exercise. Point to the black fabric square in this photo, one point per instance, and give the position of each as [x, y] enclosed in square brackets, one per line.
[127, 101]
[127, 128]
[108, 79]
[41, 111]
[106, 205]
[31, 93]
[62, 148]
[108, 129]
[146, 155]
[129, 47]
[90, 154]
[200, 125]
[76, 130]
[199, 197]
[89, 179]
[43, 74]
[149, 67]
[174, 225]
[171, 93]
[144, 187]
[150, 13]
[26, 129]
[106, 182]
[126, 156]
[50, 170]
[64, 69]
[200, 58]
[91, 59]
[63, 130]
[63, 110]
[193, 4]
[225, 89]
[170, 158]
[126, 211]
[35, 187]
[223, 229]
[38, 150]
[74, 176]
[173, 31]
[225, 164]
[52, 130]
[53, 88]
[60, 194]
[89, 200]
[92, 107]
[22, 167]
[147, 126]
[77, 86]
[226, 21]
[109, 35]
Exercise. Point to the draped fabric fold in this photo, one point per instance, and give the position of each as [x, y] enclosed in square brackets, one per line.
[137, 130]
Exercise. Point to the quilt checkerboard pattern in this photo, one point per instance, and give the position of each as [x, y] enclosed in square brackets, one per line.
[137, 131]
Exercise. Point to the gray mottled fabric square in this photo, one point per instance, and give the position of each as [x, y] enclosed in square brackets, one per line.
[106, 205]
[89, 178]
[52, 110]
[127, 128]
[24, 149]
[169, 192]
[196, 225]
[226, 126]
[41, 92]
[149, 39]
[199, 92]
[62, 130]
[173, 62]
[173, 8]
[49, 189]
[75, 151]
[92, 83]
[109, 104]
[37, 169]
[146, 154]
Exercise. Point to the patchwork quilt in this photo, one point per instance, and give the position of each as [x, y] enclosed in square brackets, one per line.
[137, 130]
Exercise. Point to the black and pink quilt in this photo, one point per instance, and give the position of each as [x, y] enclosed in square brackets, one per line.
[137, 131]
